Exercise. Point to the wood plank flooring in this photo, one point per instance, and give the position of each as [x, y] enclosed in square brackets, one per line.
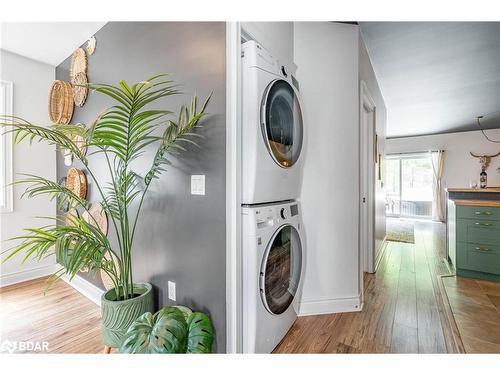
[63, 318]
[475, 308]
[402, 310]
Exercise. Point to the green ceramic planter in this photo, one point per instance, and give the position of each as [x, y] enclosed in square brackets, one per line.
[117, 316]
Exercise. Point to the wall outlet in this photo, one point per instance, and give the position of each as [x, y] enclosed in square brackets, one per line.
[198, 184]
[171, 290]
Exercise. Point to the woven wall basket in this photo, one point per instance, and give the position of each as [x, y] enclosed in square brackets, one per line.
[79, 141]
[96, 216]
[78, 63]
[80, 92]
[77, 182]
[71, 216]
[60, 102]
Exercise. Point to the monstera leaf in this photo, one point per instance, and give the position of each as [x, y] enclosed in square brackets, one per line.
[174, 329]
[200, 333]
[163, 332]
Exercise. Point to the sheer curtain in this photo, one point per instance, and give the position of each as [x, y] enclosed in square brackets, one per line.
[437, 160]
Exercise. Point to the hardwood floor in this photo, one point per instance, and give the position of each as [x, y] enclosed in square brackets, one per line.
[475, 308]
[63, 318]
[402, 310]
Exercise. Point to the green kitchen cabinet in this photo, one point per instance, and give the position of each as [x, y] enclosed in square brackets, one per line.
[477, 242]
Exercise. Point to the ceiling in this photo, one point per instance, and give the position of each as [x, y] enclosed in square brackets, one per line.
[436, 77]
[48, 42]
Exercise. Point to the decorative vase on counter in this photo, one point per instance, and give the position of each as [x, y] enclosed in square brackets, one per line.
[117, 316]
[483, 179]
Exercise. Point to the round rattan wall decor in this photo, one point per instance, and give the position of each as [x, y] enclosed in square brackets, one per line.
[60, 102]
[77, 182]
[71, 217]
[78, 63]
[80, 92]
[81, 144]
[96, 216]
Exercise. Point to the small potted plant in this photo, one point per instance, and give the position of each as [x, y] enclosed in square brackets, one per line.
[120, 135]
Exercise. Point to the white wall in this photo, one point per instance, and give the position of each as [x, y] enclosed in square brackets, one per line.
[277, 37]
[327, 58]
[31, 81]
[367, 74]
[459, 167]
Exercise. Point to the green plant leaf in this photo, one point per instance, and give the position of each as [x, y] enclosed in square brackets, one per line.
[200, 333]
[186, 311]
[163, 332]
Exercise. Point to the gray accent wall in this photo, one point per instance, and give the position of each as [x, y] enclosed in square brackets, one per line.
[181, 237]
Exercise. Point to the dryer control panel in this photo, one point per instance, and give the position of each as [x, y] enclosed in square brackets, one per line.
[269, 216]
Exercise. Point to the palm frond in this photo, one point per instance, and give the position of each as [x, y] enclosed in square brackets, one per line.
[41, 186]
[180, 131]
[124, 129]
[121, 133]
[23, 129]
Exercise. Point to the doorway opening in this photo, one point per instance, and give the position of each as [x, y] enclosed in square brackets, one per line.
[409, 179]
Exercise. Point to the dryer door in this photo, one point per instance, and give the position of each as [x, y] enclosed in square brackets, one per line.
[281, 269]
[281, 120]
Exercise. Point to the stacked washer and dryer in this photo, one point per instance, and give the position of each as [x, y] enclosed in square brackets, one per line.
[272, 247]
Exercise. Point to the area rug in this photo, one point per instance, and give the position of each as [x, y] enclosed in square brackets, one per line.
[400, 231]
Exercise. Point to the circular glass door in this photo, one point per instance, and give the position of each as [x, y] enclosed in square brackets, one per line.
[282, 123]
[281, 268]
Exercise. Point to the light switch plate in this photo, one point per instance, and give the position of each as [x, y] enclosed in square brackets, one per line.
[171, 290]
[198, 184]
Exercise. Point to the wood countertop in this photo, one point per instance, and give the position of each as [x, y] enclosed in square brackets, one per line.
[470, 202]
[492, 189]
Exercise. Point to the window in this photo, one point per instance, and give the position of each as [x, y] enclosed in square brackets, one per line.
[5, 149]
[409, 179]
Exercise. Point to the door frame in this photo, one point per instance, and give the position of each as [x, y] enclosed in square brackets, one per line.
[367, 161]
[233, 189]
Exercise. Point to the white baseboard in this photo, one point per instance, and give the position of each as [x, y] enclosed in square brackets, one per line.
[330, 306]
[383, 247]
[27, 274]
[86, 288]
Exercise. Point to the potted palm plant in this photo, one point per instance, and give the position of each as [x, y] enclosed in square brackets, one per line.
[121, 135]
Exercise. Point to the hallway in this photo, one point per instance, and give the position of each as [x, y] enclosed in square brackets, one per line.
[402, 306]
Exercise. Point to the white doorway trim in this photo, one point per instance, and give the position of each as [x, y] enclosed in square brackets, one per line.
[367, 127]
[233, 178]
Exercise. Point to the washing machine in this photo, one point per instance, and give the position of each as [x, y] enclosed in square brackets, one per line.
[272, 255]
[272, 128]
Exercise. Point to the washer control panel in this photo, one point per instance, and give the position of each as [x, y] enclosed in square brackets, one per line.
[269, 216]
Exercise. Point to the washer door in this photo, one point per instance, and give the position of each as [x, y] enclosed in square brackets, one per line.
[281, 269]
[282, 125]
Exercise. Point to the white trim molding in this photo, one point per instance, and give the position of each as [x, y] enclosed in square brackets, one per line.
[233, 178]
[6, 108]
[85, 287]
[330, 306]
[27, 274]
[366, 221]
[381, 252]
